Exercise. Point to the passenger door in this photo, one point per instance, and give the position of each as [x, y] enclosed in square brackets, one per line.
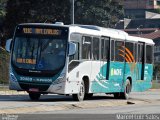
[141, 60]
[103, 74]
[105, 58]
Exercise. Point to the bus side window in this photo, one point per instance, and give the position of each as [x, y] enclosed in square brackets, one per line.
[140, 52]
[95, 48]
[105, 49]
[135, 52]
[130, 52]
[76, 55]
[149, 52]
[102, 49]
[112, 50]
[118, 49]
[86, 47]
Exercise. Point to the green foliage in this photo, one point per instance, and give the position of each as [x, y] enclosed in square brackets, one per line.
[156, 70]
[2, 13]
[103, 13]
[96, 12]
[2, 8]
[155, 10]
[4, 66]
[155, 84]
[35, 11]
[158, 3]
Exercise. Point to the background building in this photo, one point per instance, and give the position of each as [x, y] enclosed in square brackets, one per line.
[142, 18]
[137, 8]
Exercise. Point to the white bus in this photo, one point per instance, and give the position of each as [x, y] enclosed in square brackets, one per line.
[78, 60]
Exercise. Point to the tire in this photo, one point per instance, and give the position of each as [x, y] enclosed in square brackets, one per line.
[88, 95]
[80, 96]
[117, 95]
[34, 96]
[125, 94]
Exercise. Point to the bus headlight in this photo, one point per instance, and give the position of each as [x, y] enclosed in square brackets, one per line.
[12, 77]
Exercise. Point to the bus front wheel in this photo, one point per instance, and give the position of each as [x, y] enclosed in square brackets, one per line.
[88, 95]
[80, 96]
[34, 96]
[125, 94]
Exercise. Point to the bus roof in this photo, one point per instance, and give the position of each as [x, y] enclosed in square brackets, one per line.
[113, 33]
[139, 39]
[98, 31]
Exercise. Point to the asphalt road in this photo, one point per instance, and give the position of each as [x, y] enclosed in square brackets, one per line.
[52, 105]
[150, 104]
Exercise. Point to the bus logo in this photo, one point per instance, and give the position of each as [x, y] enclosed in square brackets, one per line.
[128, 56]
[117, 72]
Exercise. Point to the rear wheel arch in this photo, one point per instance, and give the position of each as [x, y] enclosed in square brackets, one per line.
[127, 89]
[130, 80]
[87, 86]
[86, 83]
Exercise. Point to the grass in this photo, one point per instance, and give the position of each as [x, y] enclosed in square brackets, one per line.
[4, 88]
[4, 69]
[155, 85]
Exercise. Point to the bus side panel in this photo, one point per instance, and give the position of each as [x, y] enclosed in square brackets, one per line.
[116, 76]
[114, 84]
[97, 76]
[142, 85]
[130, 73]
[75, 77]
[133, 71]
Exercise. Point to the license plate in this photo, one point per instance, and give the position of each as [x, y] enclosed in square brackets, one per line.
[34, 90]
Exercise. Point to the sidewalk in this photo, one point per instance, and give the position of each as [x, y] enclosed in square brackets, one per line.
[12, 92]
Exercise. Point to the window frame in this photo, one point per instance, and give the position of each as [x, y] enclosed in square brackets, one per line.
[118, 40]
[112, 52]
[104, 46]
[90, 47]
[77, 50]
[134, 50]
[152, 54]
[99, 50]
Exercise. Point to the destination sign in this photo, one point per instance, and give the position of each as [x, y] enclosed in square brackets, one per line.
[27, 61]
[42, 31]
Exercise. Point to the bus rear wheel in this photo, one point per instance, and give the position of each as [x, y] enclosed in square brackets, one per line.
[117, 95]
[125, 94]
[80, 96]
[34, 96]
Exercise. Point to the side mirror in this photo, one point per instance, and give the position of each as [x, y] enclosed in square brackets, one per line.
[72, 48]
[8, 45]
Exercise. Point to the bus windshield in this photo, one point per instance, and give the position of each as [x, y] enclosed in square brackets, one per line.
[39, 50]
[39, 53]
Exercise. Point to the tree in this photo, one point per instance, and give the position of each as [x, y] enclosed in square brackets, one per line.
[2, 16]
[96, 12]
[105, 13]
[156, 71]
[2, 8]
[35, 11]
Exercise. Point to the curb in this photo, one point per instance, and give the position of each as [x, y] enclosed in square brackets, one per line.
[78, 105]
[12, 92]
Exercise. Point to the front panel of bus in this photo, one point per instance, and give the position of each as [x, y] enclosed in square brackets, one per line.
[38, 57]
